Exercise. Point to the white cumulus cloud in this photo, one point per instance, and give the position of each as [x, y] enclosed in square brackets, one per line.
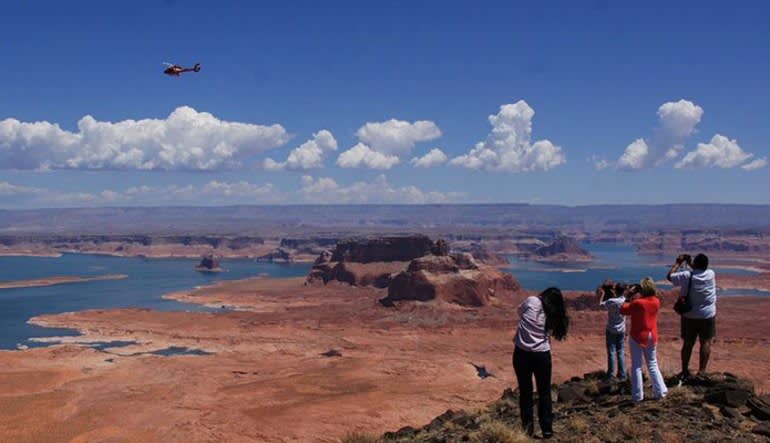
[433, 158]
[756, 164]
[327, 190]
[308, 155]
[397, 137]
[382, 145]
[676, 123]
[508, 148]
[721, 152]
[363, 156]
[185, 140]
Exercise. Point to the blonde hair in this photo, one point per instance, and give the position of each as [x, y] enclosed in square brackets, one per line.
[648, 287]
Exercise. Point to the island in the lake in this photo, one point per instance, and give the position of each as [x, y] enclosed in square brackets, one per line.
[57, 280]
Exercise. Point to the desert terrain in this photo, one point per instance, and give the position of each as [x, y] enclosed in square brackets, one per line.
[296, 362]
[315, 359]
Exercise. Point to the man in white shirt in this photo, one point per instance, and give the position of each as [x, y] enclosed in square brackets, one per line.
[700, 321]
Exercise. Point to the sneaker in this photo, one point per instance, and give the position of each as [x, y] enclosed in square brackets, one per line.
[683, 376]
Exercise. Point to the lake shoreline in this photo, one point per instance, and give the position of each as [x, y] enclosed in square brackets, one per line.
[57, 280]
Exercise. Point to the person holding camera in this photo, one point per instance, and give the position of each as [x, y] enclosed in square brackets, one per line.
[541, 318]
[699, 284]
[643, 307]
[611, 297]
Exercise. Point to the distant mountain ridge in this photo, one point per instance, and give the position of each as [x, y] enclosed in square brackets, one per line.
[245, 219]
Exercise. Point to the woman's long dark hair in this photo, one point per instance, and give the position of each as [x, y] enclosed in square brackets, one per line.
[556, 318]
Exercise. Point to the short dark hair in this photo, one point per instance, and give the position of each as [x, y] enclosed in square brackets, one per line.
[700, 262]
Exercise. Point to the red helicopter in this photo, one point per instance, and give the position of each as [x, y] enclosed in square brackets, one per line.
[175, 70]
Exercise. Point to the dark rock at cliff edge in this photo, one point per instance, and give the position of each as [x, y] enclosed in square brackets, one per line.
[715, 408]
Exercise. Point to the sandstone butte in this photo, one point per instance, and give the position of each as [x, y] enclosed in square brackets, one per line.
[309, 362]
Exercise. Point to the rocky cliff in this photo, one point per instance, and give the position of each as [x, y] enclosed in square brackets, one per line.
[369, 261]
[716, 408]
[298, 250]
[454, 278]
[382, 249]
[709, 241]
[412, 268]
[562, 249]
[135, 245]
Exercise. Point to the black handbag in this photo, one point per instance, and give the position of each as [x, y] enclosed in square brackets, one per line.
[683, 304]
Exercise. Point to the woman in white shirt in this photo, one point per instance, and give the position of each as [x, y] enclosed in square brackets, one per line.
[541, 317]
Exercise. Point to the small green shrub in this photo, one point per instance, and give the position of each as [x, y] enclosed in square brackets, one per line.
[358, 437]
[497, 432]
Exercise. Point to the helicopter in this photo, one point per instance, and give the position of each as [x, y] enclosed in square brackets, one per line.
[176, 70]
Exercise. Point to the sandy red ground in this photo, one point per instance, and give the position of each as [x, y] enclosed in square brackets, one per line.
[267, 380]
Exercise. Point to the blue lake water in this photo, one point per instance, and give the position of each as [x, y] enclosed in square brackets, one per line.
[148, 280]
[616, 261]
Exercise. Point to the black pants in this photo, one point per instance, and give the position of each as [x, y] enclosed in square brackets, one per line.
[526, 364]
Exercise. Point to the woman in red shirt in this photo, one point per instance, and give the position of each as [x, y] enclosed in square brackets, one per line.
[643, 339]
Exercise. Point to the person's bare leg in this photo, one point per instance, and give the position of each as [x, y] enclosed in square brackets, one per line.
[705, 353]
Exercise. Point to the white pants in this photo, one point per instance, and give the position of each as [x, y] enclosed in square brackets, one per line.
[637, 388]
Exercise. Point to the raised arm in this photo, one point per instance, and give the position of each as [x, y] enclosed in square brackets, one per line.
[675, 267]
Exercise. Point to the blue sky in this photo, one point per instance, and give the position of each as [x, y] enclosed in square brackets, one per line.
[594, 102]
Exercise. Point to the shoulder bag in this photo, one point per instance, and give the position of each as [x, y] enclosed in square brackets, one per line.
[683, 304]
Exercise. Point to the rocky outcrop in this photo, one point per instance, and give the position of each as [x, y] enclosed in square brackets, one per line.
[562, 249]
[709, 241]
[136, 245]
[308, 245]
[716, 408]
[382, 249]
[370, 261]
[441, 247]
[412, 268]
[378, 274]
[209, 263]
[298, 250]
[454, 278]
[278, 255]
[485, 256]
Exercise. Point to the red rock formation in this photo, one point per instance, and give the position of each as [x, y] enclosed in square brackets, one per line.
[370, 262]
[377, 274]
[456, 278]
[382, 249]
[563, 249]
[484, 256]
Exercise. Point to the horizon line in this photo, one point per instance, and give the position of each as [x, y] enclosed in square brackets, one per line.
[289, 205]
